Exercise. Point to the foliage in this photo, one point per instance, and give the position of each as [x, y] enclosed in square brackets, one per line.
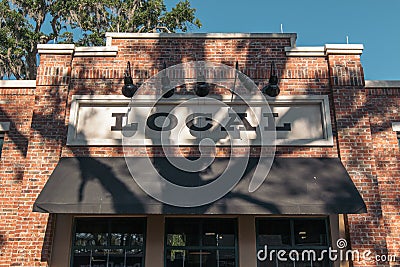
[26, 23]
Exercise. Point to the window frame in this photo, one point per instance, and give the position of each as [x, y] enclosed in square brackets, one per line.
[398, 138]
[293, 245]
[201, 222]
[141, 220]
[4, 128]
[396, 129]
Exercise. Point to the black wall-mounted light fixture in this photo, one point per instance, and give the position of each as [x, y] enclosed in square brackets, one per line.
[202, 88]
[129, 89]
[272, 88]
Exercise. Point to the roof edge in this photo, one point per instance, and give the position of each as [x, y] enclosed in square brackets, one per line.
[344, 49]
[305, 51]
[81, 51]
[120, 35]
[323, 51]
[382, 84]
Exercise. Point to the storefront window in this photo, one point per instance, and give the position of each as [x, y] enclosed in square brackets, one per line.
[108, 242]
[300, 240]
[201, 243]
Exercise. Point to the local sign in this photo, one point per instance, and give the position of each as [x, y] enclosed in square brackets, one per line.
[103, 120]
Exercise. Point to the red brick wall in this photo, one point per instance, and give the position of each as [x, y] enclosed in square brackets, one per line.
[384, 108]
[39, 118]
[16, 106]
[357, 152]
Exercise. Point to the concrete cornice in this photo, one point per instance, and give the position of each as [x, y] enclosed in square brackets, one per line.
[305, 51]
[98, 51]
[344, 49]
[17, 83]
[65, 49]
[381, 84]
[322, 51]
[118, 35]
[69, 49]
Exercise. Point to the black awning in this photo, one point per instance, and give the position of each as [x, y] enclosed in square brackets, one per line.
[89, 185]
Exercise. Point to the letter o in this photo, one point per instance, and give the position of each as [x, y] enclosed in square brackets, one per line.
[173, 121]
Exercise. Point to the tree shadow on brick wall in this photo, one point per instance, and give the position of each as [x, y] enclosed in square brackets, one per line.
[351, 127]
[322, 82]
[55, 131]
[48, 126]
[260, 72]
[382, 106]
[15, 135]
[48, 238]
[2, 242]
[254, 65]
[360, 120]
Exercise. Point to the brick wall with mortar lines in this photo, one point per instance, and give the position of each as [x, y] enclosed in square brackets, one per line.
[356, 149]
[62, 76]
[16, 105]
[384, 108]
[31, 238]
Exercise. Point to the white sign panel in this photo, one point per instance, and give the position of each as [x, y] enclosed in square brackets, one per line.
[297, 121]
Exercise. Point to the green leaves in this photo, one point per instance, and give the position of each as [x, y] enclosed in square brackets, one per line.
[181, 17]
[16, 37]
[25, 23]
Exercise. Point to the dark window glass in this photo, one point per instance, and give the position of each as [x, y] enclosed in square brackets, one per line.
[310, 232]
[201, 242]
[304, 238]
[185, 233]
[1, 142]
[274, 233]
[218, 233]
[106, 242]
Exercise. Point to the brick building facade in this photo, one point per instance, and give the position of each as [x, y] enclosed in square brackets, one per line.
[364, 121]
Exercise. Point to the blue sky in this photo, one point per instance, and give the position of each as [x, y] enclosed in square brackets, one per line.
[373, 23]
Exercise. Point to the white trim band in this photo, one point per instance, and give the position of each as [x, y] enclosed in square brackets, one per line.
[305, 51]
[97, 51]
[70, 49]
[346, 49]
[18, 84]
[322, 51]
[64, 49]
